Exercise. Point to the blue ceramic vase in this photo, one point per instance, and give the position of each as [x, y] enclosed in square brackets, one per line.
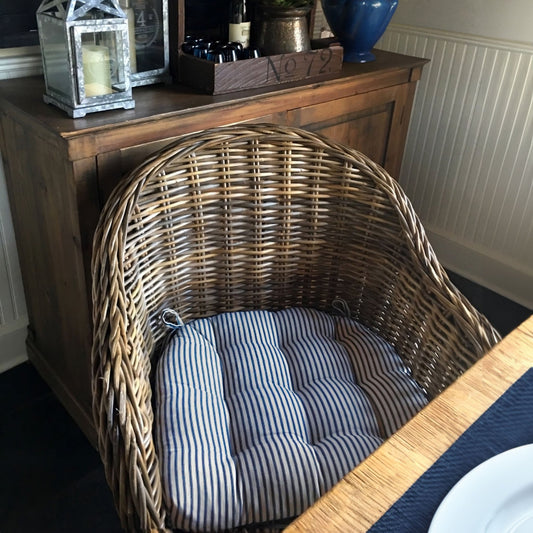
[358, 24]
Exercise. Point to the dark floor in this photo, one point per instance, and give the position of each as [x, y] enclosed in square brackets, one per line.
[51, 478]
[502, 313]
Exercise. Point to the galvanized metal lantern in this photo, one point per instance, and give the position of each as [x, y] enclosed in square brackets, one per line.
[85, 50]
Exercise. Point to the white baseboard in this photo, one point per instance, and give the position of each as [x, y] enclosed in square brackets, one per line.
[482, 267]
[13, 344]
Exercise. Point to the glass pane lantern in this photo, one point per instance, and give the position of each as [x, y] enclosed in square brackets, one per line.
[149, 40]
[85, 50]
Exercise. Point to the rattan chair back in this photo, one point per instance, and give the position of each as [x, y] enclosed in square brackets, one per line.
[256, 217]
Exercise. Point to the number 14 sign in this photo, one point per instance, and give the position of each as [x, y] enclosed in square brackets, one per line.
[149, 40]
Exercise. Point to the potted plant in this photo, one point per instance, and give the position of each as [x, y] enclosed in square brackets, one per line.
[282, 26]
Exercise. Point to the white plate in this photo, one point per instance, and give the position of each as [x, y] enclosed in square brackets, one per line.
[494, 497]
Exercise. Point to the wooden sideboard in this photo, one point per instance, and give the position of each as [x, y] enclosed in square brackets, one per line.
[60, 171]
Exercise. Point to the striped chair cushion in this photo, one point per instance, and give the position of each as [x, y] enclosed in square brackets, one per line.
[259, 413]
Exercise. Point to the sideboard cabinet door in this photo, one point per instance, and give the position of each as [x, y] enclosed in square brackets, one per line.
[375, 123]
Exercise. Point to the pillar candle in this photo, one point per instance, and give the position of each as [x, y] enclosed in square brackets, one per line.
[96, 70]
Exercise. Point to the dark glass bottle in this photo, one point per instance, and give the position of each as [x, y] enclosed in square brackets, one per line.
[239, 22]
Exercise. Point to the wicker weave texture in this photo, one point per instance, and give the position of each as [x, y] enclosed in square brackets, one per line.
[256, 217]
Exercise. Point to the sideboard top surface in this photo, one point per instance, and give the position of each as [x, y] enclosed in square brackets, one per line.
[22, 99]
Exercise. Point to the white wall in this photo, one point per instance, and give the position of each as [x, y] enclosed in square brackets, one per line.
[13, 317]
[508, 20]
[468, 164]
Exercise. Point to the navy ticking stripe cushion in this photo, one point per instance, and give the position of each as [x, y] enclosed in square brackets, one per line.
[259, 413]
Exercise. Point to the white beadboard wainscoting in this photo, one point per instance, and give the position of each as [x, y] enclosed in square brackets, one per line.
[13, 318]
[468, 163]
[14, 63]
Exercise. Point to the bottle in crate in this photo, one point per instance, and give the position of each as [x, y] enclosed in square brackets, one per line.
[239, 22]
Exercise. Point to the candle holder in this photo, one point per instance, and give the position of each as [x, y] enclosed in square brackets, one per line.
[86, 56]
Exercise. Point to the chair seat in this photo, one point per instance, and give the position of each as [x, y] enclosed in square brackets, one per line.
[258, 413]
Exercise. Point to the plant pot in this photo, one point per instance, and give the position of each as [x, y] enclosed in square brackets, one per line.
[358, 24]
[282, 30]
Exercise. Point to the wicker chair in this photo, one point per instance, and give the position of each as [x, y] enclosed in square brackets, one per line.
[256, 217]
